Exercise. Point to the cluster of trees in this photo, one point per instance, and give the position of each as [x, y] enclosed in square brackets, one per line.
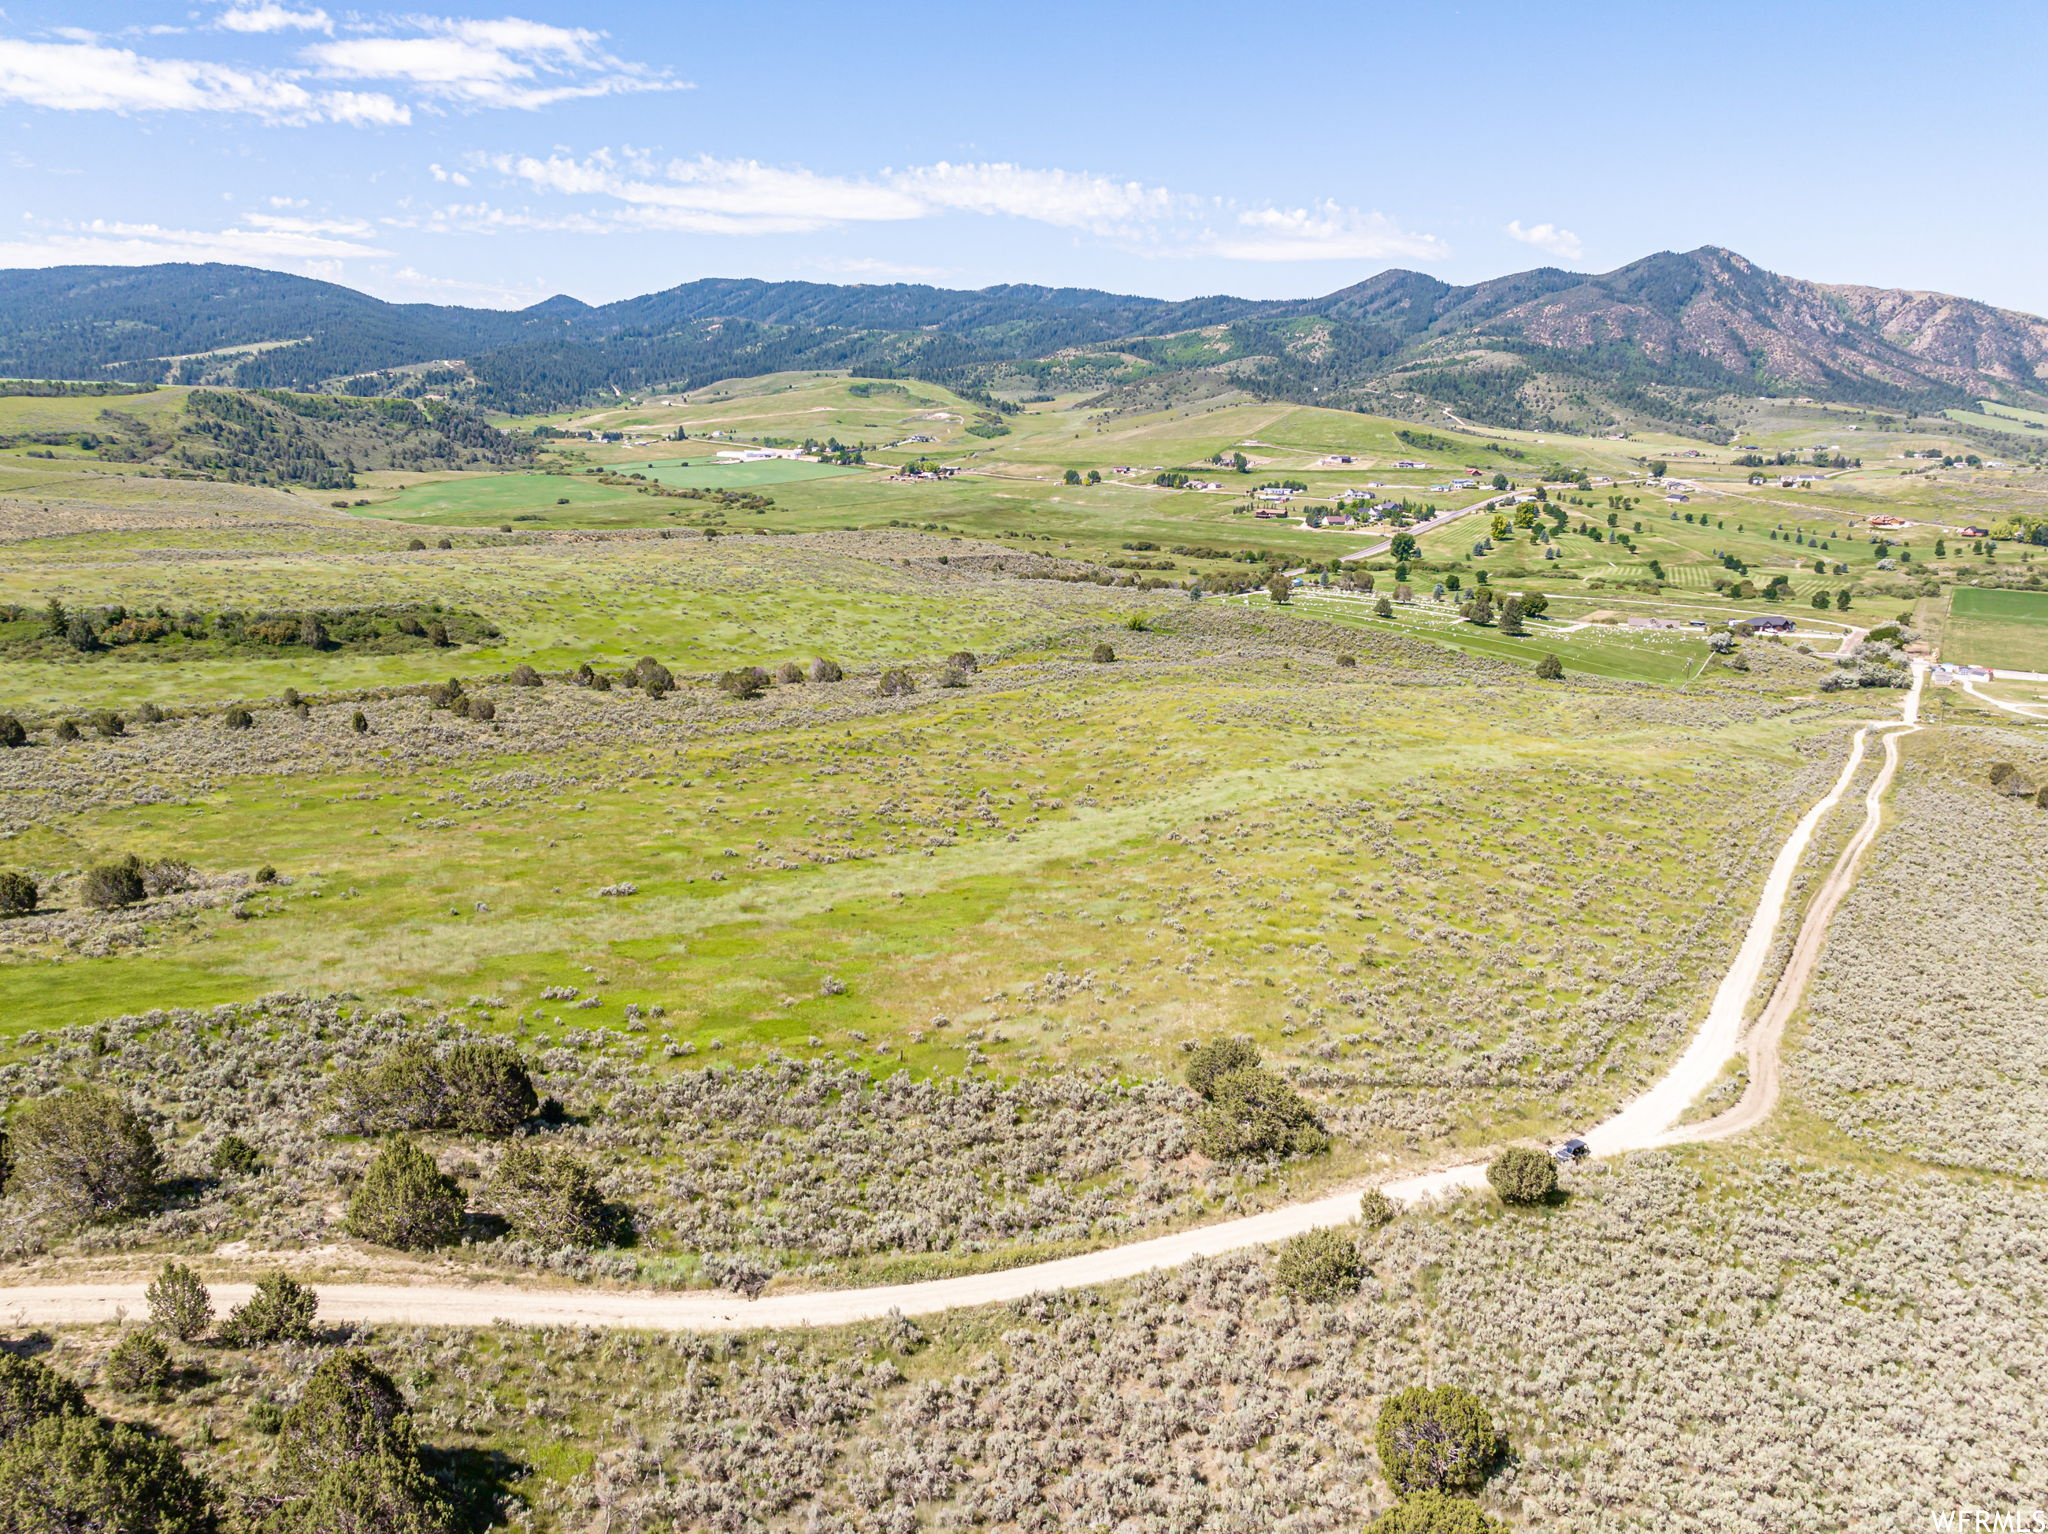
[751, 681]
[113, 626]
[1246, 1110]
[404, 1200]
[271, 437]
[1094, 477]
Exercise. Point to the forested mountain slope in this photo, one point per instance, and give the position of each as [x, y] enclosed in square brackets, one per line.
[1659, 339]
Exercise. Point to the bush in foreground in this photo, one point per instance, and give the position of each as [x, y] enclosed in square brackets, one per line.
[1319, 1265]
[405, 1201]
[347, 1458]
[85, 1153]
[31, 1391]
[1435, 1439]
[81, 1475]
[1375, 1209]
[1522, 1176]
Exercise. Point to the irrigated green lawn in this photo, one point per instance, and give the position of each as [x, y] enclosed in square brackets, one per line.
[1988, 627]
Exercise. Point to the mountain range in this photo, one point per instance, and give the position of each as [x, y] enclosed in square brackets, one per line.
[1667, 340]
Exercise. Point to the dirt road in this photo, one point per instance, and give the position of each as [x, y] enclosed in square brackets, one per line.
[1644, 1123]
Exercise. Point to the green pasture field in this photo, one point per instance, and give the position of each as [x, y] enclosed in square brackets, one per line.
[696, 604]
[1176, 839]
[1989, 627]
[20, 412]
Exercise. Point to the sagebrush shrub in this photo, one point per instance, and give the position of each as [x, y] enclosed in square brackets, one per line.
[524, 675]
[895, 682]
[107, 723]
[789, 673]
[823, 670]
[404, 1200]
[1104, 653]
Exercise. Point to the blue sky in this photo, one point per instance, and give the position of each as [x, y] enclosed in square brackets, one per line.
[498, 154]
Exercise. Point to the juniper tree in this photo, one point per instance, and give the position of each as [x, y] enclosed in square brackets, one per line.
[404, 1200]
[18, 892]
[1522, 1176]
[179, 1303]
[548, 1196]
[83, 1473]
[281, 1310]
[86, 1153]
[109, 886]
[1435, 1439]
[486, 1089]
[1319, 1265]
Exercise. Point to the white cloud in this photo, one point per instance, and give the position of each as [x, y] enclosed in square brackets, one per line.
[108, 242]
[711, 196]
[1561, 243]
[1065, 199]
[1327, 231]
[866, 267]
[87, 77]
[504, 63]
[439, 62]
[271, 17]
[707, 195]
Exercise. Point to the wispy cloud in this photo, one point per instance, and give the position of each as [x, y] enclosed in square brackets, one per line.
[271, 17]
[629, 189]
[505, 63]
[429, 63]
[1550, 239]
[871, 267]
[1326, 231]
[91, 77]
[308, 245]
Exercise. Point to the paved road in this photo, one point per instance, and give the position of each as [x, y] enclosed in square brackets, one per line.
[1648, 1121]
